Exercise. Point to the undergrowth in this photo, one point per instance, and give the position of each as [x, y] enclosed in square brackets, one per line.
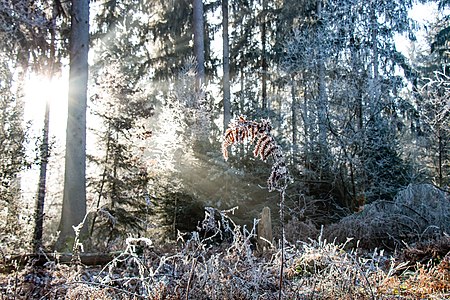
[218, 261]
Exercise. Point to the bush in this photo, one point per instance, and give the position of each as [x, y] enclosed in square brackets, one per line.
[417, 213]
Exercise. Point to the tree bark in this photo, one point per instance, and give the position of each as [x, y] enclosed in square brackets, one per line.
[199, 42]
[226, 67]
[74, 199]
[39, 209]
[375, 88]
[264, 65]
[306, 126]
[323, 98]
[440, 159]
[294, 118]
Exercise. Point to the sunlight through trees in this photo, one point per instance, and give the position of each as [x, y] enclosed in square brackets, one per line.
[114, 116]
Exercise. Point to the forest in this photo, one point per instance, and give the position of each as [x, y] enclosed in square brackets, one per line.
[225, 149]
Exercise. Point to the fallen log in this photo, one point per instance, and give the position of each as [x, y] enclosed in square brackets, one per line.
[39, 259]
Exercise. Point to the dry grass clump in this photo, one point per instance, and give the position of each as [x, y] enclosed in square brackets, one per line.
[422, 281]
[326, 271]
[219, 262]
[418, 213]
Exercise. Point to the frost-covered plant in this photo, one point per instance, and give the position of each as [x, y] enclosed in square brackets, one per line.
[241, 130]
[418, 213]
[13, 159]
[200, 268]
[434, 110]
[121, 176]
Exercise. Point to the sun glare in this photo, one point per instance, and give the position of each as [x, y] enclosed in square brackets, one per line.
[39, 90]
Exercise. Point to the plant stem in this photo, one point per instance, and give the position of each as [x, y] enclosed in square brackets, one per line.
[191, 276]
[282, 243]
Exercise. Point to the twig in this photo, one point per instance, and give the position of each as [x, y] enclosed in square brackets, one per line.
[355, 261]
[191, 276]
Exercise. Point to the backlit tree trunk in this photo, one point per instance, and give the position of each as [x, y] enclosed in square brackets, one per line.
[199, 42]
[264, 65]
[74, 199]
[44, 151]
[226, 67]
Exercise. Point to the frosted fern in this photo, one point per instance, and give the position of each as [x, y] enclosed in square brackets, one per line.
[241, 131]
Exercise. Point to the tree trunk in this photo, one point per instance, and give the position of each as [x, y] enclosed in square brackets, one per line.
[322, 104]
[265, 235]
[74, 199]
[307, 137]
[294, 119]
[199, 42]
[354, 54]
[226, 67]
[357, 176]
[440, 159]
[264, 66]
[242, 77]
[375, 83]
[103, 181]
[39, 209]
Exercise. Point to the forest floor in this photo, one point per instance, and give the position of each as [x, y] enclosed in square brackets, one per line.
[202, 269]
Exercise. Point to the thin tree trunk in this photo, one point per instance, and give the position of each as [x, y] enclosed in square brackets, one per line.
[114, 191]
[356, 175]
[294, 119]
[306, 127]
[103, 181]
[353, 183]
[375, 88]
[322, 105]
[264, 65]
[242, 81]
[359, 85]
[199, 42]
[39, 210]
[226, 67]
[440, 154]
[40, 201]
[322, 113]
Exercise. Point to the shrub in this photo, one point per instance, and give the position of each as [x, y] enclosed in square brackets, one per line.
[417, 213]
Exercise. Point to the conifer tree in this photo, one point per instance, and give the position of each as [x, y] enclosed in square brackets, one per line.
[345, 57]
[121, 103]
[12, 148]
[120, 189]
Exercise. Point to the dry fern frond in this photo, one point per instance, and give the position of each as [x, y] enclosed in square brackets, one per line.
[241, 130]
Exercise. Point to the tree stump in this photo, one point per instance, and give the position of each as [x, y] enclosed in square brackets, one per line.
[265, 236]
